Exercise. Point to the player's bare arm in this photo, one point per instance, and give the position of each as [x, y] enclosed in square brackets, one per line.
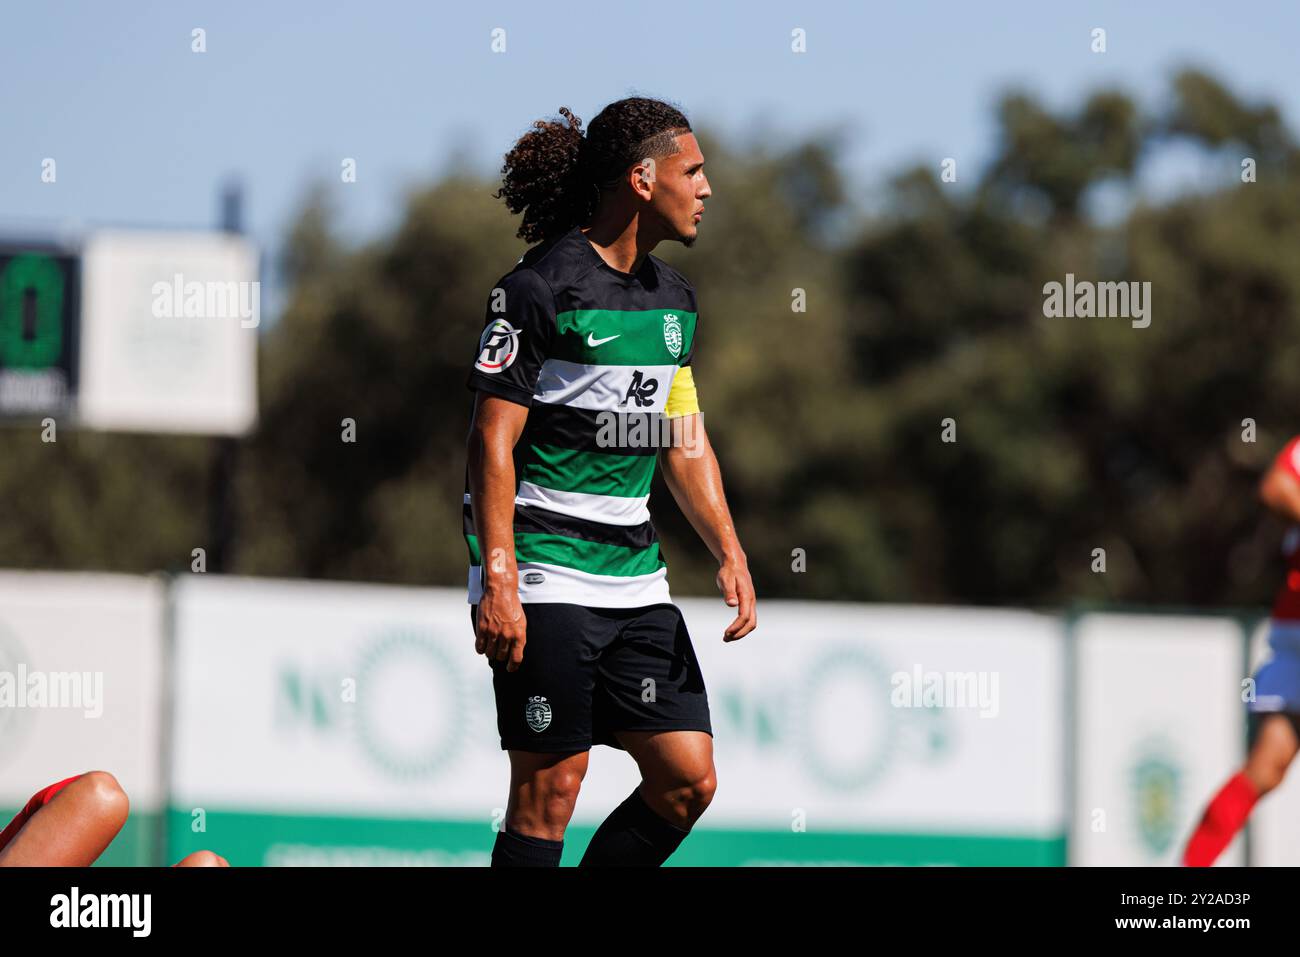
[497, 425]
[693, 476]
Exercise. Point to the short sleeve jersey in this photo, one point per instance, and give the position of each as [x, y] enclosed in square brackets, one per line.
[601, 358]
[1286, 605]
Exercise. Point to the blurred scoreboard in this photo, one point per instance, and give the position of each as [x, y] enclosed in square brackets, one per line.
[39, 317]
[131, 331]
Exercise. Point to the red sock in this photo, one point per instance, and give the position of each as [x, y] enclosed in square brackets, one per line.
[38, 801]
[1221, 821]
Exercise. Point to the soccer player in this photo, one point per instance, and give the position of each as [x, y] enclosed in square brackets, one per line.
[583, 381]
[1274, 714]
[71, 822]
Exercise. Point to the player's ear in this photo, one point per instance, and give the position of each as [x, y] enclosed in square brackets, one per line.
[643, 177]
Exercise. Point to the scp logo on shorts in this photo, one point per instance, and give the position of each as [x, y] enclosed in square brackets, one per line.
[497, 347]
[538, 713]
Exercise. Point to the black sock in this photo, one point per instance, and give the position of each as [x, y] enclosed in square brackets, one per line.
[524, 850]
[633, 836]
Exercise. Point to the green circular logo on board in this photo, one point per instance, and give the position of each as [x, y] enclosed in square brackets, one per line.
[867, 726]
[1156, 781]
[411, 705]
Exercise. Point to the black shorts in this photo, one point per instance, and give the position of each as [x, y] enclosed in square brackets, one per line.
[588, 672]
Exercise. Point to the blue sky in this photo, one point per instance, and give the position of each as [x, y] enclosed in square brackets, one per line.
[143, 130]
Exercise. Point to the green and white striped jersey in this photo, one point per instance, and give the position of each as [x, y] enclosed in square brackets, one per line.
[594, 353]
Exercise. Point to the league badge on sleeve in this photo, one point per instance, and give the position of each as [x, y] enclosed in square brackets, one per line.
[497, 347]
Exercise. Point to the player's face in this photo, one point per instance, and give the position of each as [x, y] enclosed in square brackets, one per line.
[680, 190]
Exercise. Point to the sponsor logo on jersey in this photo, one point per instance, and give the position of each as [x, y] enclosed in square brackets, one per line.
[497, 347]
[593, 341]
[673, 334]
[538, 713]
[641, 390]
[534, 578]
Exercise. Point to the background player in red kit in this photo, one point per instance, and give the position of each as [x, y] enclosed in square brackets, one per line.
[70, 823]
[1274, 714]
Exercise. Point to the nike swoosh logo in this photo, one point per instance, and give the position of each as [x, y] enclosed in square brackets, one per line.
[595, 342]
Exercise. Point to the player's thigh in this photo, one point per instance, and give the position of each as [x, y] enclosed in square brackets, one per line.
[1275, 710]
[672, 760]
[1275, 739]
[530, 767]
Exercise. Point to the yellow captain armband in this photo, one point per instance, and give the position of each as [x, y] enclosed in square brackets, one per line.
[682, 399]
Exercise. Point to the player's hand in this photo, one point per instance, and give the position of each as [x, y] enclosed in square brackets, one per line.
[500, 631]
[738, 590]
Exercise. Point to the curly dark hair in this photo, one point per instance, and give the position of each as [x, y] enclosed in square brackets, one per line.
[555, 176]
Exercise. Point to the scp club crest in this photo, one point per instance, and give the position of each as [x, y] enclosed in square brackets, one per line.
[673, 334]
[497, 347]
[538, 713]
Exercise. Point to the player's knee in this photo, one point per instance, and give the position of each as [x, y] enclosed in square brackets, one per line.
[701, 792]
[104, 795]
[205, 859]
[1268, 775]
[554, 796]
[1265, 770]
[690, 795]
[559, 793]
